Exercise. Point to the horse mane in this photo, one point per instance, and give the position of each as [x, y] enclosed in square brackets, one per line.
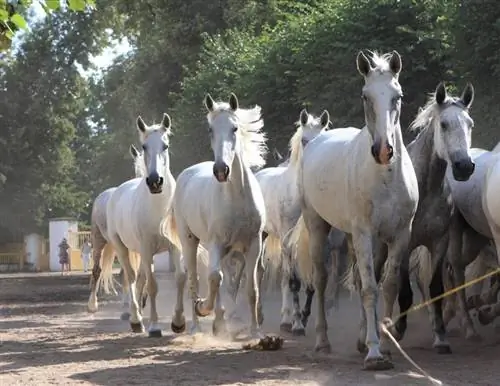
[250, 124]
[431, 110]
[380, 62]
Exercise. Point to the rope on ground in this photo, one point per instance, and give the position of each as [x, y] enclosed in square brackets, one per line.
[388, 323]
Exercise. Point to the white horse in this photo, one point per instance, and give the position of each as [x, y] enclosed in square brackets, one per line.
[135, 213]
[361, 182]
[279, 187]
[220, 205]
[100, 239]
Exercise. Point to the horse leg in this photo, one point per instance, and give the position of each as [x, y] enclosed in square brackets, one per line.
[306, 312]
[98, 242]
[436, 288]
[294, 285]
[363, 245]
[464, 246]
[397, 253]
[147, 274]
[178, 324]
[204, 307]
[288, 287]
[318, 231]
[254, 273]
[129, 271]
[141, 294]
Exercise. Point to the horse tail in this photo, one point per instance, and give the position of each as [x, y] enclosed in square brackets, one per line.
[351, 279]
[298, 242]
[273, 262]
[106, 264]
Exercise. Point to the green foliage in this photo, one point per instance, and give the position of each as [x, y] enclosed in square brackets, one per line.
[12, 19]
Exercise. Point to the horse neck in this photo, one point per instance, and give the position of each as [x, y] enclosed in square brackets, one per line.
[429, 168]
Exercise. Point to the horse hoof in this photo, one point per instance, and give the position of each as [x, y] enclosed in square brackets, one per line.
[299, 332]
[483, 315]
[324, 348]
[197, 305]
[91, 310]
[137, 327]
[286, 327]
[378, 364]
[155, 334]
[361, 347]
[125, 316]
[443, 349]
[178, 329]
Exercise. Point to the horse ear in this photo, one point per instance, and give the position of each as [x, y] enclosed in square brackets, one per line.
[166, 121]
[304, 117]
[440, 93]
[363, 64]
[134, 152]
[233, 102]
[209, 103]
[395, 63]
[141, 126]
[468, 95]
[324, 118]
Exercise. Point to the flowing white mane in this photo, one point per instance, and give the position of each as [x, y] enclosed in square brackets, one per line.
[250, 124]
[430, 111]
[381, 62]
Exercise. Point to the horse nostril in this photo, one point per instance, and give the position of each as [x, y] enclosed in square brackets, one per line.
[374, 151]
[147, 180]
[390, 151]
[160, 181]
[226, 170]
[457, 165]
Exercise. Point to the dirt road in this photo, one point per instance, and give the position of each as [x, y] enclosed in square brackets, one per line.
[47, 338]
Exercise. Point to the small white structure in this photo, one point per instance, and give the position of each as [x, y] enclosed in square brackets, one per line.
[58, 229]
[34, 248]
[162, 262]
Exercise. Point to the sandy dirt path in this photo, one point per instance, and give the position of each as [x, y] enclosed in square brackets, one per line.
[47, 338]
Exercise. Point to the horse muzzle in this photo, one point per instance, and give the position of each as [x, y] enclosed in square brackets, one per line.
[382, 152]
[221, 172]
[154, 183]
[463, 170]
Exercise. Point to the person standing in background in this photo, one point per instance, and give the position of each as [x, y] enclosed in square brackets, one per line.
[86, 252]
[64, 255]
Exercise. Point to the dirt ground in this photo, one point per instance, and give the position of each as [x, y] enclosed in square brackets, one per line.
[47, 337]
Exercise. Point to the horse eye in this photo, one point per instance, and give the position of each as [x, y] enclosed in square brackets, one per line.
[210, 130]
[444, 126]
[165, 146]
[144, 147]
[235, 129]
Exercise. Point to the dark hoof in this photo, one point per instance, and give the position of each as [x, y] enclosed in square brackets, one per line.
[298, 332]
[286, 327]
[443, 349]
[484, 316]
[178, 329]
[137, 327]
[155, 334]
[125, 316]
[378, 364]
[197, 306]
[361, 347]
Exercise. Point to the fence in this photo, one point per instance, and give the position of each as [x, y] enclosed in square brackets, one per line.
[75, 241]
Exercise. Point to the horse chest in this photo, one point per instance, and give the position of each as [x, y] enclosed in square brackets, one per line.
[432, 219]
[239, 224]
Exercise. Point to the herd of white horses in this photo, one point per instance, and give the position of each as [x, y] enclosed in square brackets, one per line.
[430, 207]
